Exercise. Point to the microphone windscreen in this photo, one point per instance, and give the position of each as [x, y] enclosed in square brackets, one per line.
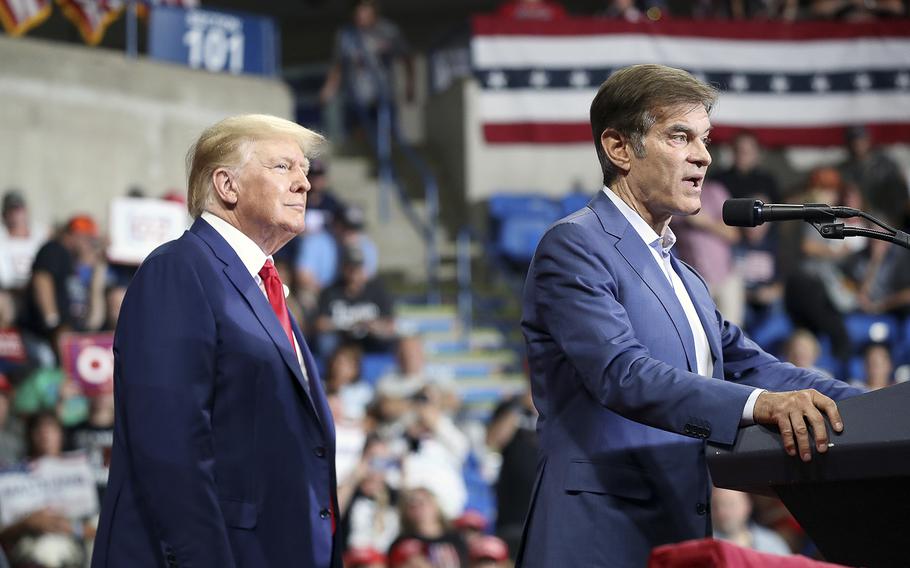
[740, 212]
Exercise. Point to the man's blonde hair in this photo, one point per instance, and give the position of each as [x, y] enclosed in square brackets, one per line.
[226, 144]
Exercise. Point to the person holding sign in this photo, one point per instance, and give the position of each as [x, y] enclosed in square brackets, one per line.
[224, 446]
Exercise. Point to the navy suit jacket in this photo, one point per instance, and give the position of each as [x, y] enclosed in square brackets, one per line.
[220, 458]
[623, 415]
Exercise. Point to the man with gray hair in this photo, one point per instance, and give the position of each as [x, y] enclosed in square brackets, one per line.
[633, 368]
[224, 446]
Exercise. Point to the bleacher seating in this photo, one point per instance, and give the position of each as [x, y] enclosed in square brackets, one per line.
[517, 222]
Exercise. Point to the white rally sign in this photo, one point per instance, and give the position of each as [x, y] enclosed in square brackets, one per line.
[65, 484]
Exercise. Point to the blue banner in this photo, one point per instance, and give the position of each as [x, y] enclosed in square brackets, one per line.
[217, 41]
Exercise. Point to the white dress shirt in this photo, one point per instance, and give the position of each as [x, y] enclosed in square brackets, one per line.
[253, 259]
[660, 246]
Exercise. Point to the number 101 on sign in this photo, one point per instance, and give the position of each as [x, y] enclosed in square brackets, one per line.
[214, 41]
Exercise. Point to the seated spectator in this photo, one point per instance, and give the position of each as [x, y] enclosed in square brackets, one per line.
[413, 373]
[95, 437]
[343, 379]
[886, 284]
[350, 232]
[314, 254]
[45, 534]
[878, 367]
[356, 309]
[57, 299]
[513, 434]
[878, 177]
[746, 177]
[487, 551]
[422, 520]
[20, 239]
[706, 242]
[821, 291]
[731, 513]
[431, 447]
[368, 500]
[758, 266]
[318, 256]
[803, 350]
[537, 10]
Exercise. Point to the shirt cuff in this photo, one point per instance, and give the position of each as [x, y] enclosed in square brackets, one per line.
[748, 418]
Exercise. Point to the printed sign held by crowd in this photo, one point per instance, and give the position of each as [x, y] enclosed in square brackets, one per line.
[139, 225]
[65, 484]
[88, 360]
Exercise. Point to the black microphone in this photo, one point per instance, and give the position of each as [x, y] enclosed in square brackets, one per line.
[746, 212]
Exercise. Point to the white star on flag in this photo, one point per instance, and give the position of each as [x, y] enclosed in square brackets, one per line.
[862, 81]
[539, 79]
[497, 80]
[820, 83]
[579, 79]
[739, 83]
[780, 84]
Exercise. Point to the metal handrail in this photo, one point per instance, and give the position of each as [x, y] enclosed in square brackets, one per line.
[387, 132]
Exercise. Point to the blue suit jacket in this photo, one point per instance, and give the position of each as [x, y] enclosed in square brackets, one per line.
[220, 458]
[623, 415]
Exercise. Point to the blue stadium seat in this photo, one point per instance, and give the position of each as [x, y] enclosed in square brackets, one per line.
[857, 368]
[771, 330]
[517, 222]
[502, 205]
[519, 235]
[375, 365]
[867, 328]
[573, 202]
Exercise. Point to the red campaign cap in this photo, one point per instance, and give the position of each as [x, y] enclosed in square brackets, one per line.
[405, 550]
[82, 225]
[365, 555]
[488, 548]
[471, 519]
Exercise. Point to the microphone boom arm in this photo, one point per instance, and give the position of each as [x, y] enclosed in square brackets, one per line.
[830, 229]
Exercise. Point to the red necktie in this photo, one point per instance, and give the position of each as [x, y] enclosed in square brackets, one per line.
[274, 289]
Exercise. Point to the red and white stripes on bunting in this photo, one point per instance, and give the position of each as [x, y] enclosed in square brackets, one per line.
[790, 83]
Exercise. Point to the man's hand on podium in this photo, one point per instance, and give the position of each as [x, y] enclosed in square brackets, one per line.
[793, 412]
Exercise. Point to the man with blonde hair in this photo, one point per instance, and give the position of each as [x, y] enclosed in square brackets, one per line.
[224, 446]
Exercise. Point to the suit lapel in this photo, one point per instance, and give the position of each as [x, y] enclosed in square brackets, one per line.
[704, 306]
[636, 252]
[317, 394]
[244, 283]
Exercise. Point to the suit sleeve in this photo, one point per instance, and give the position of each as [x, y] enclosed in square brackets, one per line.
[165, 379]
[575, 298]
